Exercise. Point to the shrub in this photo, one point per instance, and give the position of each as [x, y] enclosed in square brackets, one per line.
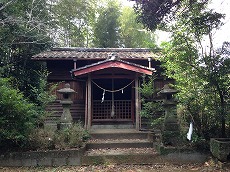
[48, 139]
[72, 137]
[41, 139]
[17, 115]
[42, 95]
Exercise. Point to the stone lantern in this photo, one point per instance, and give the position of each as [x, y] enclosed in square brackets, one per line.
[66, 118]
[171, 132]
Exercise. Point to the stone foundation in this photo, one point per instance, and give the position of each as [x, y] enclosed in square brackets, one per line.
[42, 158]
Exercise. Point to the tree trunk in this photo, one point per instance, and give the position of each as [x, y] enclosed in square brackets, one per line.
[222, 112]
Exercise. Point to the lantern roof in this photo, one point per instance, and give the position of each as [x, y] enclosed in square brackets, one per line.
[167, 90]
[66, 90]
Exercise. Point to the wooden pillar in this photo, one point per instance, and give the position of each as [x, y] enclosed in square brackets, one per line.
[86, 105]
[137, 104]
[89, 102]
[133, 103]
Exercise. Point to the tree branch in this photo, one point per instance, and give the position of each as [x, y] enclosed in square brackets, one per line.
[8, 3]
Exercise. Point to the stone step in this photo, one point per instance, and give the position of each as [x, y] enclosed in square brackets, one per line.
[119, 138]
[140, 156]
[120, 151]
[128, 146]
[119, 146]
[118, 143]
[121, 159]
[120, 156]
[120, 134]
[126, 125]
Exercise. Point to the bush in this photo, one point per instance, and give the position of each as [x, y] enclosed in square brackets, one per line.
[72, 137]
[42, 94]
[151, 109]
[17, 115]
[48, 139]
[41, 139]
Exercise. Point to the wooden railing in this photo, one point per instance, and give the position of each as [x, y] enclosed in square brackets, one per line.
[102, 111]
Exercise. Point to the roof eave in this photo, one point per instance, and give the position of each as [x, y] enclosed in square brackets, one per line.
[112, 64]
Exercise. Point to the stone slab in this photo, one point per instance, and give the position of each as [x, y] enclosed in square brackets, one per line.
[42, 158]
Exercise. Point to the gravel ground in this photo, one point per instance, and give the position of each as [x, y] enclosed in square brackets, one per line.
[207, 167]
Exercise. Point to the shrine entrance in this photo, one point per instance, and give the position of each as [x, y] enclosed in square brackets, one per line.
[112, 94]
[113, 100]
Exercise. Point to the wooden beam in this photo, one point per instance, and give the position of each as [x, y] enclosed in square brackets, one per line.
[112, 77]
[89, 98]
[115, 65]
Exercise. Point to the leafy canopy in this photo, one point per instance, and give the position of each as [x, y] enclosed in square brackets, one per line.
[107, 26]
[201, 72]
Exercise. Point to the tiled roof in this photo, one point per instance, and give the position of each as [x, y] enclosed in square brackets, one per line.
[94, 53]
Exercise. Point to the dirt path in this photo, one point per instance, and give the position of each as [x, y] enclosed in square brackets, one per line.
[121, 168]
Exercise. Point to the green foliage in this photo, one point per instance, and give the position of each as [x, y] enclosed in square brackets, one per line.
[49, 139]
[201, 73]
[42, 94]
[23, 33]
[118, 28]
[41, 139]
[72, 137]
[74, 21]
[197, 143]
[151, 109]
[133, 34]
[17, 115]
[24, 22]
[200, 88]
[35, 25]
[157, 12]
[107, 26]
[147, 88]
[201, 77]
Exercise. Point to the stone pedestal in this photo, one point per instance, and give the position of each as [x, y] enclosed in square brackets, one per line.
[66, 118]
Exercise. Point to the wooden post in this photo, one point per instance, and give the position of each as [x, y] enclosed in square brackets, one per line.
[89, 102]
[86, 105]
[137, 103]
[74, 63]
[133, 103]
[112, 115]
[149, 60]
